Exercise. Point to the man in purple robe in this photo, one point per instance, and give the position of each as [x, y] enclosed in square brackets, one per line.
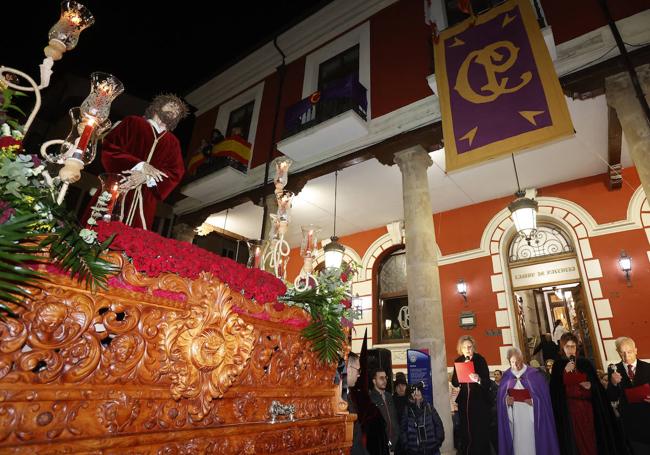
[524, 411]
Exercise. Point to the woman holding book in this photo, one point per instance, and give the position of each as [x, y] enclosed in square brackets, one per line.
[524, 411]
[584, 419]
[471, 374]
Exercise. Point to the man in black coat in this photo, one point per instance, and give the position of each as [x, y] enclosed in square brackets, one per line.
[548, 347]
[629, 373]
[384, 402]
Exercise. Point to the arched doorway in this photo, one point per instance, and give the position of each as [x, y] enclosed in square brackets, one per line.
[547, 286]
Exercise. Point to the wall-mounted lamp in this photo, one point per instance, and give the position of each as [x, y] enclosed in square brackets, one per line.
[467, 320]
[461, 287]
[625, 262]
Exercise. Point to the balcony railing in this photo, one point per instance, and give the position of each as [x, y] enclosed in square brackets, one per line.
[233, 152]
[344, 95]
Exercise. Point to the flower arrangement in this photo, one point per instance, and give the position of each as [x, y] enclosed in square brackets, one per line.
[153, 255]
[329, 302]
[32, 222]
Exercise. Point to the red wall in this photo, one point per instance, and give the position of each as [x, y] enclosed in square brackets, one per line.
[480, 299]
[461, 230]
[629, 304]
[400, 57]
[572, 18]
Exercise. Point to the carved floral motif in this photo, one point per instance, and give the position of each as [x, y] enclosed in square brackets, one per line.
[77, 366]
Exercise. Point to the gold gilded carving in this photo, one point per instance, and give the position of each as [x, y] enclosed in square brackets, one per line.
[116, 415]
[207, 349]
[190, 372]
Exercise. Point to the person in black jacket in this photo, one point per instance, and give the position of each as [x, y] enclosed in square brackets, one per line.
[421, 426]
[548, 347]
[584, 418]
[401, 400]
[353, 367]
[627, 374]
[383, 400]
[474, 400]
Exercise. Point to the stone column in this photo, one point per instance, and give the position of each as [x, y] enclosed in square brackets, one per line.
[423, 279]
[622, 97]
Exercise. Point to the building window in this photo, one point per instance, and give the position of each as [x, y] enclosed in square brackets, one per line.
[336, 60]
[392, 299]
[549, 240]
[241, 112]
[239, 122]
[338, 67]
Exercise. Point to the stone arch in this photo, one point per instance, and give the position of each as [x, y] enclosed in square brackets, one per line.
[580, 226]
[372, 253]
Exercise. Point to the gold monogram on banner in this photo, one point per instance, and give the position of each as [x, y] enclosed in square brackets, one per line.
[498, 89]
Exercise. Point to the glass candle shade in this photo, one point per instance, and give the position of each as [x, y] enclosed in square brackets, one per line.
[256, 249]
[284, 204]
[81, 143]
[282, 166]
[308, 247]
[111, 184]
[75, 18]
[104, 88]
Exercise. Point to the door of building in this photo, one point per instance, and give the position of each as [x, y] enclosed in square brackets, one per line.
[537, 310]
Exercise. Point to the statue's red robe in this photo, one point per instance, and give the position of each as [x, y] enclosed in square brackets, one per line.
[128, 144]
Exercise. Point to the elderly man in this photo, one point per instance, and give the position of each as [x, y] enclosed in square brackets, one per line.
[353, 366]
[628, 385]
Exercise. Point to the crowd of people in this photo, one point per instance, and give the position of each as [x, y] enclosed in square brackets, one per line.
[565, 407]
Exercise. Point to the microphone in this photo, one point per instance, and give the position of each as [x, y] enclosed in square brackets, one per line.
[611, 368]
[467, 359]
[572, 359]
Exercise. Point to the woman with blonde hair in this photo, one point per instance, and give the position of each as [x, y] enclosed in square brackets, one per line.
[474, 400]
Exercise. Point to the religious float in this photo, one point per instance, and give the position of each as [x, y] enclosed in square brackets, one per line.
[116, 340]
[165, 365]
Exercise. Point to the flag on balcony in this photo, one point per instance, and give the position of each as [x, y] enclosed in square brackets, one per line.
[498, 89]
[233, 151]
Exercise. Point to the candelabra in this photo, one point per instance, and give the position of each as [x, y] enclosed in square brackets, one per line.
[277, 255]
[88, 123]
[308, 249]
[63, 36]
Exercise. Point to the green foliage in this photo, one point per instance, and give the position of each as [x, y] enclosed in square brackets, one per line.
[330, 307]
[7, 107]
[28, 209]
[15, 254]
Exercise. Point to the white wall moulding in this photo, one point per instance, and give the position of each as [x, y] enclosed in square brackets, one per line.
[218, 182]
[323, 139]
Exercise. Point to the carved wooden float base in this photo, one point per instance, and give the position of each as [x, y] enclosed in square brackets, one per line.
[129, 372]
[315, 436]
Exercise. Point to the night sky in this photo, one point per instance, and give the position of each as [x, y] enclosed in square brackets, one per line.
[148, 44]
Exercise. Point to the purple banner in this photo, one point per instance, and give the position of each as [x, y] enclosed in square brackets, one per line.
[497, 86]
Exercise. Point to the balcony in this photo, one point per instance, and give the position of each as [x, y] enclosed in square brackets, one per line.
[325, 120]
[217, 168]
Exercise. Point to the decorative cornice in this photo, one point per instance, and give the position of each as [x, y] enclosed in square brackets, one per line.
[326, 24]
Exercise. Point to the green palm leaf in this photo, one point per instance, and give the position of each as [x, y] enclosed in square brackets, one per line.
[15, 256]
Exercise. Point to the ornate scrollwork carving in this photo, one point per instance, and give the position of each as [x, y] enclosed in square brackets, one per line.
[116, 415]
[132, 362]
[207, 348]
